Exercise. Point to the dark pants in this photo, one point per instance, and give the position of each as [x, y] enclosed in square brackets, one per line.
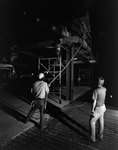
[40, 104]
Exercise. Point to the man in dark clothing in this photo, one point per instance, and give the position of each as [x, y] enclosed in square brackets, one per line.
[98, 109]
[40, 90]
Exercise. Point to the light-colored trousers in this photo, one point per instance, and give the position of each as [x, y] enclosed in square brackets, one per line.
[98, 115]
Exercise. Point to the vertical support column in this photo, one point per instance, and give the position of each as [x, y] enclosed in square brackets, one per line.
[68, 77]
[60, 79]
[72, 74]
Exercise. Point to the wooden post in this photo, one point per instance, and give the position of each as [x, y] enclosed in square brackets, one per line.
[72, 74]
[68, 77]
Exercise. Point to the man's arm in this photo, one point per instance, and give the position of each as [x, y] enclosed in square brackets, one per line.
[94, 101]
[46, 95]
[47, 88]
[32, 89]
[93, 106]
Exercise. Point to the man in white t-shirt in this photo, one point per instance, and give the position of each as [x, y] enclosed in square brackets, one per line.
[40, 90]
[98, 109]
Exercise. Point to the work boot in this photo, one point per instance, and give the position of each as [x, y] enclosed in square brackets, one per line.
[92, 139]
[39, 126]
[100, 137]
[26, 120]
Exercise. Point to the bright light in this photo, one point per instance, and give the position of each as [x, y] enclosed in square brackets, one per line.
[79, 79]
[24, 12]
[53, 28]
[110, 96]
[37, 19]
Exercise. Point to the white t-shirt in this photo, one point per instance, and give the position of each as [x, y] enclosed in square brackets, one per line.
[40, 89]
[99, 95]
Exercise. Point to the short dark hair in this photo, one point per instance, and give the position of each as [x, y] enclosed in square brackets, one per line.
[101, 78]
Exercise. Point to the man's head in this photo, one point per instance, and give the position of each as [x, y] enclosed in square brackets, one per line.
[100, 81]
[41, 76]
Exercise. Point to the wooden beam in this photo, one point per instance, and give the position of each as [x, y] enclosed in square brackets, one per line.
[43, 44]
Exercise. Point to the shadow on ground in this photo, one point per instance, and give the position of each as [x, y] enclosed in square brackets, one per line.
[19, 116]
[62, 117]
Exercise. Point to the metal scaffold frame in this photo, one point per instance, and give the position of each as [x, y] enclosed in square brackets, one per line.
[52, 66]
[69, 70]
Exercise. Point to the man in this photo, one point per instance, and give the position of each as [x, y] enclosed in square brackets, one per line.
[40, 90]
[98, 109]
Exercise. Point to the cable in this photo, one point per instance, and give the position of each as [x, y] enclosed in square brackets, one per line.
[75, 106]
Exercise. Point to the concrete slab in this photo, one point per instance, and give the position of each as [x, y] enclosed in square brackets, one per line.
[13, 111]
[69, 129]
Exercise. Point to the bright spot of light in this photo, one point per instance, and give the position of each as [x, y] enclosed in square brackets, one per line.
[53, 28]
[37, 19]
[111, 96]
[79, 79]
[75, 58]
[24, 12]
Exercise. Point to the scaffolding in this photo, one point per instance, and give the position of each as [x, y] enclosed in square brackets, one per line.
[52, 66]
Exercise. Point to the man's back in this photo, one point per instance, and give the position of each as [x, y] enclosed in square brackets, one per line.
[40, 89]
[100, 95]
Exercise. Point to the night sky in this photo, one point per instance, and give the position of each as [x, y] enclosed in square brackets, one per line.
[17, 17]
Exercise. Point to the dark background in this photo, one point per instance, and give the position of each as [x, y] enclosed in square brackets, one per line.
[19, 21]
[104, 24]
